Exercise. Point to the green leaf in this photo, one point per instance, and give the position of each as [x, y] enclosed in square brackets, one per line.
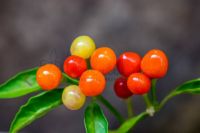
[111, 108]
[189, 87]
[35, 108]
[129, 124]
[19, 85]
[192, 86]
[95, 121]
[68, 79]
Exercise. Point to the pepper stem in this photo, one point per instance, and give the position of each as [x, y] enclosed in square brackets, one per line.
[129, 107]
[153, 91]
[111, 108]
[147, 101]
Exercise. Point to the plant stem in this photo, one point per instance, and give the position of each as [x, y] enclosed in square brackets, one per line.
[130, 123]
[153, 91]
[147, 101]
[162, 103]
[94, 99]
[112, 109]
[129, 107]
[69, 80]
[88, 63]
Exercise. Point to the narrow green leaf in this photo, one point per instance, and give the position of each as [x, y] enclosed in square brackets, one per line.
[192, 86]
[95, 121]
[129, 124]
[35, 108]
[111, 108]
[19, 85]
[70, 80]
[189, 87]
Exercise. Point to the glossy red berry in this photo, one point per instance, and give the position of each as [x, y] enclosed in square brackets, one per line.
[121, 88]
[128, 63]
[103, 59]
[74, 66]
[139, 83]
[92, 83]
[155, 64]
[48, 76]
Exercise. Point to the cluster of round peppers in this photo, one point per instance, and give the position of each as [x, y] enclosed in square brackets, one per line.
[136, 72]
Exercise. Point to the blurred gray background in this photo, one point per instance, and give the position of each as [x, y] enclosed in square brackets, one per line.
[35, 32]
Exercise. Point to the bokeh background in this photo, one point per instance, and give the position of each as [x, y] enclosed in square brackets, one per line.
[35, 32]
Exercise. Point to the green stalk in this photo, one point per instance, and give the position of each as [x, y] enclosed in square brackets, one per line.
[168, 97]
[153, 91]
[68, 79]
[147, 101]
[112, 109]
[129, 107]
[130, 123]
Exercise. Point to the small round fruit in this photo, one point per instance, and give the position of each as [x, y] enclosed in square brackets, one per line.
[73, 98]
[103, 59]
[92, 83]
[155, 64]
[138, 83]
[128, 63]
[74, 66]
[83, 46]
[121, 88]
[49, 76]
